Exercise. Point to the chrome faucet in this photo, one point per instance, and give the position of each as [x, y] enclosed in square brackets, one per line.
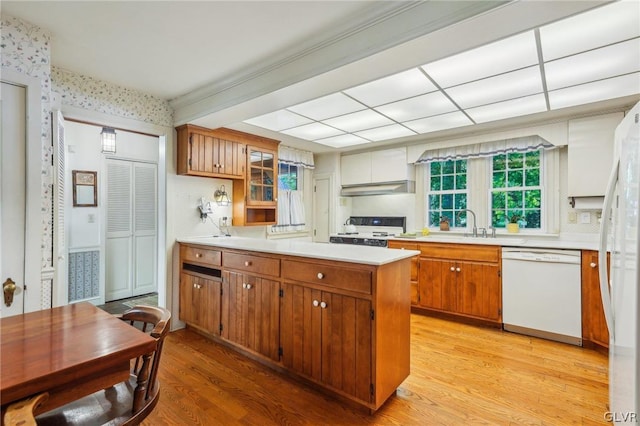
[474, 230]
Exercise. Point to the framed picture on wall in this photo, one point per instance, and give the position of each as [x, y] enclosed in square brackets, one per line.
[85, 188]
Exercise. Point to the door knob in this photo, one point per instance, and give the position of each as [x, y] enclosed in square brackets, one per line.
[9, 287]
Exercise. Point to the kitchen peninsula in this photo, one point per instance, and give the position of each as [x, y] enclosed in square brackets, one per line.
[335, 316]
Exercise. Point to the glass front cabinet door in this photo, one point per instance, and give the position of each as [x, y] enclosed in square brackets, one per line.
[262, 177]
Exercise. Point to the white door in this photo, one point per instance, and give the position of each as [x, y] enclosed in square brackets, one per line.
[131, 241]
[321, 209]
[12, 186]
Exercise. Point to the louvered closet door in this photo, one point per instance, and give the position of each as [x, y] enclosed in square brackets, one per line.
[60, 291]
[131, 250]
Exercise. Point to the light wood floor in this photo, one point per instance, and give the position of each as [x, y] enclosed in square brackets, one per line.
[460, 374]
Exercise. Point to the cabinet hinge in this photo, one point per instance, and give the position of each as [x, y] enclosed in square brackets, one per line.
[499, 273]
[189, 162]
[371, 389]
[372, 315]
[280, 351]
[499, 311]
[314, 188]
[281, 292]
[221, 290]
[314, 232]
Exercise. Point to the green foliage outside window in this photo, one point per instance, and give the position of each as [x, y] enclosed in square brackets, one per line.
[287, 176]
[447, 192]
[516, 189]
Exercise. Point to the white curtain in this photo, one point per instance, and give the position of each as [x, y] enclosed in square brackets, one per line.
[290, 212]
[295, 157]
[488, 149]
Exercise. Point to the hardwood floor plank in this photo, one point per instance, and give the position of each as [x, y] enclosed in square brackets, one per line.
[460, 374]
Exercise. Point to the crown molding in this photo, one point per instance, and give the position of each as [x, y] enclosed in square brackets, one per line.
[381, 28]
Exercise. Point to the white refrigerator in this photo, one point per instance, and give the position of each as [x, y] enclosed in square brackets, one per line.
[619, 234]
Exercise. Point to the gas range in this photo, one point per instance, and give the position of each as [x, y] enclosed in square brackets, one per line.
[370, 230]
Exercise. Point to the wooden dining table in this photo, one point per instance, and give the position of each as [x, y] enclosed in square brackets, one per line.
[69, 351]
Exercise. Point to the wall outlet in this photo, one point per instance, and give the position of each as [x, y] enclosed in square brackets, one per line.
[585, 218]
[573, 217]
[224, 221]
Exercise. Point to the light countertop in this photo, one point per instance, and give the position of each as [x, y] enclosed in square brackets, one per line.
[569, 241]
[291, 247]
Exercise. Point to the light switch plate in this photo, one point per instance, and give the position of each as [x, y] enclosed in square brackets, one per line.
[573, 217]
[585, 218]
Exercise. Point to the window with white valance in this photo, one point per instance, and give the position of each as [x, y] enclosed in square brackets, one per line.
[292, 164]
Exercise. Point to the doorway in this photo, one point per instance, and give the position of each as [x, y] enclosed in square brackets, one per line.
[322, 208]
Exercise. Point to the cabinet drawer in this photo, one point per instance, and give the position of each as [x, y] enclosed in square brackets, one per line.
[252, 264]
[470, 252]
[200, 255]
[347, 279]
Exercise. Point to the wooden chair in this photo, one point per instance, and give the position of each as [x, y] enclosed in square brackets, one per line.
[114, 406]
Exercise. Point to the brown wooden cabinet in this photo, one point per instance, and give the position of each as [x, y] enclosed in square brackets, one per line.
[415, 266]
[461, 279]
[200, 302]
[255, 203]
[210, 153]
[327, 337]
[594, 324]
[251, 312]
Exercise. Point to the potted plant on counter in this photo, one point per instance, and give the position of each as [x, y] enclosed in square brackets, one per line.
[513, 226]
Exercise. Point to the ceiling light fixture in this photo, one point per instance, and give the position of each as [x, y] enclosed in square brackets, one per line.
[108, 139]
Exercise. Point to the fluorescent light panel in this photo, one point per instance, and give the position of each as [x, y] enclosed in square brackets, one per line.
[342, 141]
[610, 61]
[279, 120]
[419, 107]
[508, 109]
[393, 88]
[360, 120]
[386, 132]
[312, 131]
[511, 85]
[596, 91]
[512, 53]
[439, 122]
[328, 106]
[596, 28]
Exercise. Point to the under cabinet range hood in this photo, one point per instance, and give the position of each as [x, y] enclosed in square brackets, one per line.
[379, 188]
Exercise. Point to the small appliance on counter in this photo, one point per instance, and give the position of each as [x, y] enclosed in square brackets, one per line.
[370, 230]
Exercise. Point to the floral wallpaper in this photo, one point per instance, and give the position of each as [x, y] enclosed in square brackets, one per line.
[97, 95]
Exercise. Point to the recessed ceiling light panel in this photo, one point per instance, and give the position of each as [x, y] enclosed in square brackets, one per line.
[387, 132]
[328, 106]
[602, 90]
[312, 131]
[439, 122]
[419, 107]
[610, 61]
[360, 120]
[342, 141]
[395, 87]
[278, 120]
[596, 28]
[511, 85]
[508, 109]
[510, 54]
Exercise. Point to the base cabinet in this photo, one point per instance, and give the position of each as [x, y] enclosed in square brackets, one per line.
[327, 338]
[594, 324]
[200, 302]
[251, 312]
[415, 268]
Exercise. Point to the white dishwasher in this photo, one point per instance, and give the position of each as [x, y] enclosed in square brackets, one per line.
[541, 293]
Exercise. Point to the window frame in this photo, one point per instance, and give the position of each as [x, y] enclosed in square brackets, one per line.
[442, 192]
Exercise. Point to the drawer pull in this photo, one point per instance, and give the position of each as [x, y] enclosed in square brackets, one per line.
[320, 275]
[323, 305]
[457, 269]
[247, 263]
[316, 303]
[453, 269]
[198, 254]
[593, 264]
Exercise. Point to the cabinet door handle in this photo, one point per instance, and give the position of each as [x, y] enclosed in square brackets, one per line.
[248, 286]
[247, 263]
[198, 254]
[593, 264]
[316, 303]
[244, 285]
[323, 305]
[195, 285]
[453, 269]
[457, 269]
[320, 275]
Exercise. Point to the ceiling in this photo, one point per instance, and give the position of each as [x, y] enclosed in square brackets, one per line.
[226, 63]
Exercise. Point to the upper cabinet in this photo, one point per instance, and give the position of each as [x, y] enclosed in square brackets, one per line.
[210, 153]
[389, 165]
[590, 154]
[255, 202]
[250, 160]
